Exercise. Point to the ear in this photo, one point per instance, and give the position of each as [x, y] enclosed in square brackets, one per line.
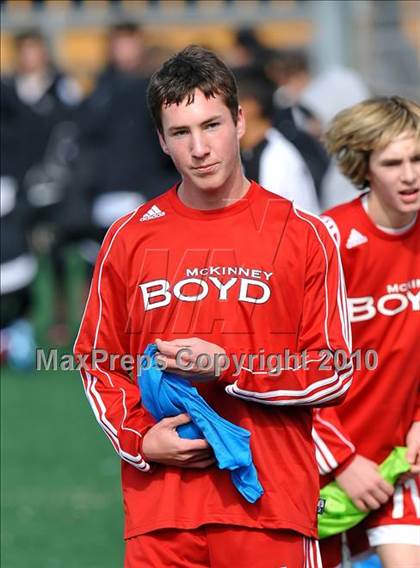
[162, 143]
[240, 123]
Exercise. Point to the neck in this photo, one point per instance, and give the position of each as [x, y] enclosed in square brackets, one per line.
[255, 133]
[386, 216]
[215, 198]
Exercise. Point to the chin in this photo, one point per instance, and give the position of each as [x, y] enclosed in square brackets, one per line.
[210, 183]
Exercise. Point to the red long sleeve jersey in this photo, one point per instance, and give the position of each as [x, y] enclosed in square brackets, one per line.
[257, 276]
[382, 275]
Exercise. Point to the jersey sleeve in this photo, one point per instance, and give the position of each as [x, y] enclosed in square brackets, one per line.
[102, 341]
[334, 450]
[416, 417]
[325, 369]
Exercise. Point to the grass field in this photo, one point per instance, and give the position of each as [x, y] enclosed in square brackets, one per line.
[60, 489]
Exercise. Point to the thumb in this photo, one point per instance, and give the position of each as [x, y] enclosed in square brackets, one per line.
[174, 421]
[411, 453]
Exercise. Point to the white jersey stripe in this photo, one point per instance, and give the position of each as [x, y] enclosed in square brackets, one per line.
[318, 555]
[327, 339]
[330, 459]
[338, 388]
[344, 321]
[336, 432]
[311, 554]
[298, 393]
[398, 498]
[323, 467]
[93, 395]
[291, 402]
[100, 277]
[412, 486]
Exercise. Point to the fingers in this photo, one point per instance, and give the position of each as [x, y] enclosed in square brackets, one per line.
[381, 496]
[377, 497]
[171, 348]
[201, 464]
[193, 445]
[386, 488]
[174, 421]
[371, 502]
[184, 444]
[361, 505]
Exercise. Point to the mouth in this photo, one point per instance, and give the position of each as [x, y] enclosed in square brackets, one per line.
[413, 191]
[409, 196]
[205, 169]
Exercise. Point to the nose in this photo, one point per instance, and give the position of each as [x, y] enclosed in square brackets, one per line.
[199, 146]
[409, 173]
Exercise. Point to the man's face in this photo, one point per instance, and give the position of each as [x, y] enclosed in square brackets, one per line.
[126, 52]
[32, 56]
[394, 174]
[203, 141]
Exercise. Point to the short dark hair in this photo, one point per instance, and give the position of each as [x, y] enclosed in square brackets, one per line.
[192, 68]
[125, 27]
[30, 34]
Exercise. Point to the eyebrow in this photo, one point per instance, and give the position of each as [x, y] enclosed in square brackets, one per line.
[173, 129]
[388, 161]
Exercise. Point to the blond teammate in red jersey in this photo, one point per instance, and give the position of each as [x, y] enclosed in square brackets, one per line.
[377, 144]
[219, 265]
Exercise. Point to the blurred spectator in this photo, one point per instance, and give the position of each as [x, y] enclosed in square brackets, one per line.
[48, 97]
[286, 120]
[121, 164]
[40, 106]
[126, 49]
[312, 102]
[247, 50]
[319, 97]
[18, 266]
[267, 156]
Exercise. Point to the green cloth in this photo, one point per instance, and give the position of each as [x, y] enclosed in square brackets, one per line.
[340, 512]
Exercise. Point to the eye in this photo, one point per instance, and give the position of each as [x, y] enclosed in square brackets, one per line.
[179, 133]
[212, 125]
[391, 163]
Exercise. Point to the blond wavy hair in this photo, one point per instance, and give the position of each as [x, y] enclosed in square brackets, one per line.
[370, 125]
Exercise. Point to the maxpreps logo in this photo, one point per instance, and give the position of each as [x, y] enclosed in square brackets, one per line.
[399, 297]
[245, 284]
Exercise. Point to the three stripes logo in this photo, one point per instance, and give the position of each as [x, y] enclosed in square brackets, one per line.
[153, 213]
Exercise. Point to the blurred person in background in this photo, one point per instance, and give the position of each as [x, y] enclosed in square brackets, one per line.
[120, 164]
[313, 100]
[247, 50]
[319, 96]
[48, 98]
[45, 106]
[267, 156]
[377, 145]
[18, 266]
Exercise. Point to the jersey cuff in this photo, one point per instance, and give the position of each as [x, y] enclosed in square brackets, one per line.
[344, 464]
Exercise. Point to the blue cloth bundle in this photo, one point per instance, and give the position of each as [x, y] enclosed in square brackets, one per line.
[166, 394]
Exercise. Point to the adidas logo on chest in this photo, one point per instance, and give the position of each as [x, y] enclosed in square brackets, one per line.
[355, 239]
[153, 213]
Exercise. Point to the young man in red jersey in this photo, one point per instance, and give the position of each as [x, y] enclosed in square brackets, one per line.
[377, 145]
[219, 266]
